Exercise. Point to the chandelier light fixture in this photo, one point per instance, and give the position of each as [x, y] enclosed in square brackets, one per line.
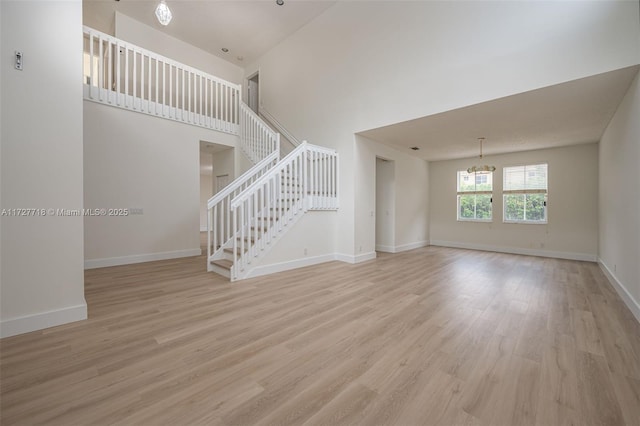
[481, 168]
[163, 13]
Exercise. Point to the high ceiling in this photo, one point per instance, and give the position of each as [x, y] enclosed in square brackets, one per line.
[248, 28]
[565, 114]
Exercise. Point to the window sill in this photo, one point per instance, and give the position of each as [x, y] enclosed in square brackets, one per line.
[522, 222]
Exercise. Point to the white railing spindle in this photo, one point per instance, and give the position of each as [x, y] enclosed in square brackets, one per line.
[299, 182]
[143, 89]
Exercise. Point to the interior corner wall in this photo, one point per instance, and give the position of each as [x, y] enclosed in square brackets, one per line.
[151, 166]
[410, 198]
[385, 205]
[206, 186]
[142, 35]
[572, 228]
[223, 163]
[362, 65]
[619, 202]
[42, 281]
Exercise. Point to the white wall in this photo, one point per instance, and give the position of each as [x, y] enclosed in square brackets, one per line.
[136, 32]
[223, 164]
[308, 244]
[410, 197]
[41, 264]
[361, 65]
[139, 161]
[619, 205]
[572, 228]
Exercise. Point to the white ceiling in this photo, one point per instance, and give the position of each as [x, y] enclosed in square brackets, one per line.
[565, 114]
[248, 28]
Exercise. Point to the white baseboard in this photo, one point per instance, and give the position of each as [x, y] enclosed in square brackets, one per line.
[586, 257]
[622, 291]
[355, 259]
[402, 247]
[139, 258]
[291, 264]
[28, 323]
[308, 261]
[411, 246]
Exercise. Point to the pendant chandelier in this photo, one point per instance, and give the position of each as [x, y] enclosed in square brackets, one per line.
[163, 13]
[484, 168]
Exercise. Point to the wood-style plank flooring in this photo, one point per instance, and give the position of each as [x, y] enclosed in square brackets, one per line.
[433, 336]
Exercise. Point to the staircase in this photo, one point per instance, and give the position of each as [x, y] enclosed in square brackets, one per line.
[248, 216]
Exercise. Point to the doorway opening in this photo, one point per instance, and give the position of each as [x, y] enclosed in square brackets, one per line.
[385, 205]
[216, 168]
[253, 92]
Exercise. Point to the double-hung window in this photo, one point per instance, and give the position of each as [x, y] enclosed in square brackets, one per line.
[474, 196]
[525, 194]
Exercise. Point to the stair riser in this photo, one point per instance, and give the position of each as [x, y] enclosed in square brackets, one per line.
[221, 271]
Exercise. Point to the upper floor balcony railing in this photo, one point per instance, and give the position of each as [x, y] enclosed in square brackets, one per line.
[123, 75]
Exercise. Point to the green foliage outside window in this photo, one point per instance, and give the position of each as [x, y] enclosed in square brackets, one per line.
[475, 207]
[524, 207]
[473, 204]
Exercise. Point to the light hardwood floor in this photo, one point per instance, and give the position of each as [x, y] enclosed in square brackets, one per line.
[430, 336]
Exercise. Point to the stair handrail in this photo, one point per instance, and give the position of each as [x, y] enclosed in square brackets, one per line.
[251, 188]
[239, 181]
[257, 139]
[305, 179]
[125, 75]
[219, 231]
[279, 127]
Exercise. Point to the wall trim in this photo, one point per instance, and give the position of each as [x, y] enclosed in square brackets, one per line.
[585, 257]
[622, 291]
[402, 247]
[42, 320]
[411, 246]
[139, 258]
[348, 258]
[308, 261]
[289, 265]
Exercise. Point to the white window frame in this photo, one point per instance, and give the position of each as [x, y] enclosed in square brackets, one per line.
[525, 192]
[459, 193]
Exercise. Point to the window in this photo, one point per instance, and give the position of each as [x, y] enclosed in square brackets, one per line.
[474, 196]
[481, 179]
[525, 194]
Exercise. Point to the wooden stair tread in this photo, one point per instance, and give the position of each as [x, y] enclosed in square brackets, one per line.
[222, 263]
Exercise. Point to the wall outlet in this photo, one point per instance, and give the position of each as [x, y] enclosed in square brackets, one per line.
[305, 251]
[360, 249]
[615, 268]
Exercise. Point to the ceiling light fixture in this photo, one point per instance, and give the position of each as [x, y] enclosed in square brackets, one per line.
[279, 2]
[163, 13]
[483, 168]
